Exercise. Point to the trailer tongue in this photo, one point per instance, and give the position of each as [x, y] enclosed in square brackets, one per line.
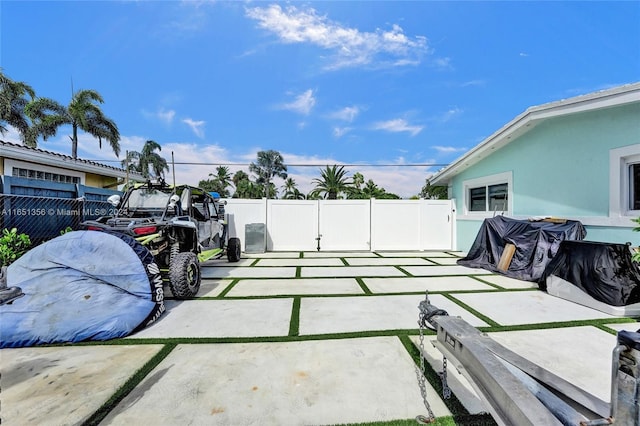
[518, 392]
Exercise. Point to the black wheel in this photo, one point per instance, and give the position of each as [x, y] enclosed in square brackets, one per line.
[184, 275]
[234, 250]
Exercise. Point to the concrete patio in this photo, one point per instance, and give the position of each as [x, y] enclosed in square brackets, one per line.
[305, 338]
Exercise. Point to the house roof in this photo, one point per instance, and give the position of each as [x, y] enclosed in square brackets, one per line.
[40, 156]
[523, 123]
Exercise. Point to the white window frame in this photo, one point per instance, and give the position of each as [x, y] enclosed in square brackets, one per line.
[619, 183]
[497, 179]
[10, 164]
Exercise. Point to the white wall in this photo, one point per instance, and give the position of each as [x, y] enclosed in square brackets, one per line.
[347, 225]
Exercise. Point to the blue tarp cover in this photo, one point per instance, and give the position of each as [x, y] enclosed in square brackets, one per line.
[83, 285]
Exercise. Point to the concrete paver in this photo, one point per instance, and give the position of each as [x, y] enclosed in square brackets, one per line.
[358, 261]
[252, 272]
[527, 307]
[324, 315]
[407, 284]
[435, 270]
[64, 385]
[314, 254]
[221, 318]
[300, 286]
[507, 282]
[296, 383]
[414, 254]
[314, 261]
[351, 271]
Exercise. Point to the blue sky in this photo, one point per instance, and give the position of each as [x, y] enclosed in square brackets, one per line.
[366, 83]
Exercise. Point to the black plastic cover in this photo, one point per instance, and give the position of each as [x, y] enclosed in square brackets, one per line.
[605, 271]
[536, 243]
[629, 338]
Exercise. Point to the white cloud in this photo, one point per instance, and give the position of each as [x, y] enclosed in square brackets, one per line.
[339, 132]
[166, 115]
[196, 126]
[451, 113]
[449, 149]
[350, 46]
[346, 114]
[443, 63]
[302, 104]
[473, 83]
[397, 125]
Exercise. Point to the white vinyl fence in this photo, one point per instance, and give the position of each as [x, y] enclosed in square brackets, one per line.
[346, 225]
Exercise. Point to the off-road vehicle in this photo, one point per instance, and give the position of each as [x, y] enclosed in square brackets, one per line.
[181, 225]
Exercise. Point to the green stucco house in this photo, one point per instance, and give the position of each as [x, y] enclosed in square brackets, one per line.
[576, 158]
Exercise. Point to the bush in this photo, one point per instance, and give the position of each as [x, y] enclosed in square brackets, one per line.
[636, 254]
[12, 246]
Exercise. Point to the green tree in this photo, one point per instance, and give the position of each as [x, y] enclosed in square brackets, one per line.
[291, 191]
[268, 165]
[358, 180]
[333, 181]
[430, 192]
[148, 162]
[14, 97]
[220, 183]
[82, 113]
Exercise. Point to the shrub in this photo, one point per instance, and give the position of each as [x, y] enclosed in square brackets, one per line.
[12, 246]
[636, 254]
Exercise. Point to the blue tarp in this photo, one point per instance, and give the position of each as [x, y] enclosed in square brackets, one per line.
[83, 285]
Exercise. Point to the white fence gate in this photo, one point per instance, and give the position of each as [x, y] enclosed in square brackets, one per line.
[347, 225]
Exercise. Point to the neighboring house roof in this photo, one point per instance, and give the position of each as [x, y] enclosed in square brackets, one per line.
[626, 94]
[39, 156]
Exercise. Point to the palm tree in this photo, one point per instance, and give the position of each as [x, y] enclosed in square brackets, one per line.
[82, 113]
[333, 180]
[149, 158]
[221, 181]
[239, 176]
[268, 165]
[13, 100]
[291, 192]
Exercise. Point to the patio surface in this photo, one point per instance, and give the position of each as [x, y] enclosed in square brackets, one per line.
[305, 338]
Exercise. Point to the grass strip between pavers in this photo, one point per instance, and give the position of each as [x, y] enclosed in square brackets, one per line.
[224, 292]
[294, 323]
[363, 286]
[129, 385]
[468, 308]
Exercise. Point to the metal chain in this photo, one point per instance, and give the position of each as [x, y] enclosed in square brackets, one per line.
[446, 391]
[421, 377]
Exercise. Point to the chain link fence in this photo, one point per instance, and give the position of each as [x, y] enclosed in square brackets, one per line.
[44, 218]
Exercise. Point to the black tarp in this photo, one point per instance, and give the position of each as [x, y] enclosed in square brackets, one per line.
[535, 244]
[604, 271]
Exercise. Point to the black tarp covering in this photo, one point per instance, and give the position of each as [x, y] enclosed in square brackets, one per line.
[604, 271]
[536, 243]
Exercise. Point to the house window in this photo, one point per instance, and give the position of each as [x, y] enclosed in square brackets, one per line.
[488, 198]
[34, 174]
[634, 186]
[488, 194]
[624, 182]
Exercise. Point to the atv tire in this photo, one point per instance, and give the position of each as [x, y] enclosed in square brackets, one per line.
[184, 275]
[234, 251]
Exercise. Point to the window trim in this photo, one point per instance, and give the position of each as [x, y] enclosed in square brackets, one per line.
[619, 180]
[10, 164]
[486, 181]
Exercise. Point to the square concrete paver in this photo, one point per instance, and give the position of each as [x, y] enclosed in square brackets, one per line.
[507, 282]
[246, 272]
[351, 271]
[385, 261]
[296, 383]
[64, 385]
[630, 326]
[405, 284]
[527, 307]
[300, 286]
[273, 255]
[338, 254]
[225, 263]
[580, 355]
[445, 261]
[444, 270]
[318, 261]
[221, 318]
[414, 254]
[325, 315]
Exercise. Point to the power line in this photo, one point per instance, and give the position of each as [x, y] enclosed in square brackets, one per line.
[190, 163]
